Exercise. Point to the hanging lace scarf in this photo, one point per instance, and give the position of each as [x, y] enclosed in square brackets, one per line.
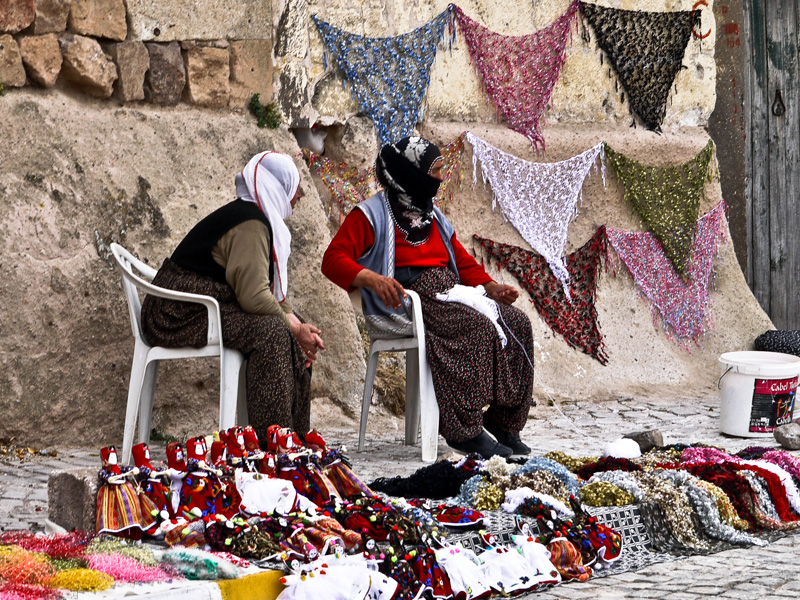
[539, 199]
[667, 198]
[575, 321]
[646, 50]
[350, 185]
[683, 304]
[519, 72]
[388, 77]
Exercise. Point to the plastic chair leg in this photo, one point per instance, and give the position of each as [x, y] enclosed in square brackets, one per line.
[372, 367]
[412, 396]
[146, 400]
[241, 401]
[230, 366]
[429, 415]
[138, 369]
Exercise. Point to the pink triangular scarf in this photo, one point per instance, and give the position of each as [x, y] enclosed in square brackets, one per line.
[683, 305]
[539, 199]
[519, 72]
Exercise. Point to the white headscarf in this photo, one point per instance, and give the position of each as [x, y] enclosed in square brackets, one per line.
[270, 180]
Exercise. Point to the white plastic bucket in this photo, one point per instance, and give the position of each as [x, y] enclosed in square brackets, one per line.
[757, 392]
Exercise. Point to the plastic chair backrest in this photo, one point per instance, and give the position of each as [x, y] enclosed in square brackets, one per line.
[126, 263]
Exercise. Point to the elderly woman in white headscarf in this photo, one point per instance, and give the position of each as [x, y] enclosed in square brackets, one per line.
[238, 254]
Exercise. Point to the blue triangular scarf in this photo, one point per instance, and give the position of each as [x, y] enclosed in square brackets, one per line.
[388, 77]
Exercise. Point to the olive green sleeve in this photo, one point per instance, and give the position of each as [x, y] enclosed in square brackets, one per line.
[244, 253]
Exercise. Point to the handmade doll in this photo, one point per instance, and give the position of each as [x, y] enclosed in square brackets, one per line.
[154, 482]
[201, 485]
[119, 509]
[463, 568]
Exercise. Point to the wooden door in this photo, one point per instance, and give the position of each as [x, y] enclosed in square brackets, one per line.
[773, 166]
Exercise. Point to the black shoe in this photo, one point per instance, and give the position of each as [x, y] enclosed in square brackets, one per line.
[482, 444]
[508, 439]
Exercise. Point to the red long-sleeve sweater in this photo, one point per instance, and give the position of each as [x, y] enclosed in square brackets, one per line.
[355, 237]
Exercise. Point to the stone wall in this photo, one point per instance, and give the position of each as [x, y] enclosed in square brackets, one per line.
[125, 125]
[209, 54]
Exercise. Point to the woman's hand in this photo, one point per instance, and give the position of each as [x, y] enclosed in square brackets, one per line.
[388, 289]
[307, 336]
[500, 292]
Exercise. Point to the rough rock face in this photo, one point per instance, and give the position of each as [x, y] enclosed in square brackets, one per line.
[51, 16]
[251, 71]
[166, 77]
[788, 435]
[16, 15]
[132, 61]
[41, 56]
[207, 76]
[98, 18]
[87, 65]
[12, 73]
[140, 176]
[72, 499]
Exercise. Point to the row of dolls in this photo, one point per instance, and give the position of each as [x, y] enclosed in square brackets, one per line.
[232, 476]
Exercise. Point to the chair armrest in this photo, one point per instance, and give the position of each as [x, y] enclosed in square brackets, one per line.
[416, 314]
[214, 315]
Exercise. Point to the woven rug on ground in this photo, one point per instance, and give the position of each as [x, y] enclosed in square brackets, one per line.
[388, 77]
[575, 321]
[540, 199]
[646, 50]
[519, 72]
[682, 304]
[667, 198]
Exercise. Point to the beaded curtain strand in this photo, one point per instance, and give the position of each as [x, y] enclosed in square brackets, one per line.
[388, 77]
[683, 305]
[540, 199]
[646, 50]
[667, 198]
[575, 321]
[519, 72]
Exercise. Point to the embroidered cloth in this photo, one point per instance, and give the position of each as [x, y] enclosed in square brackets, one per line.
[683, 304]
[667, 198]
[646, 50]
[348, 185]
[519, 72]
[539, 199]
[388, 77]
[575, 321]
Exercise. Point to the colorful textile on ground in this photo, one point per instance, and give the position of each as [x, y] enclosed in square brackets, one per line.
[646, 50]
[389, 76]
[539, 199]
[348, 185]
[683, 304]
[81, 580]
[667, 198]
[519, 72]
[124, 568]
[575, 321]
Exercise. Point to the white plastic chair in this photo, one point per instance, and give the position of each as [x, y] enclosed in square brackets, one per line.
[145, 357]
[421, 406]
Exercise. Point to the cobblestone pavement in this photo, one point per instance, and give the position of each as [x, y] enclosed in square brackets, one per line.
[577, 428]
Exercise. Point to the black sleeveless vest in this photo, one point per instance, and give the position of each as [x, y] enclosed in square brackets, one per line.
[194, 251]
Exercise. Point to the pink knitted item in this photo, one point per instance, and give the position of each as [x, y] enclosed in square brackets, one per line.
[519, 72]
[125, 568]
[683, 304]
